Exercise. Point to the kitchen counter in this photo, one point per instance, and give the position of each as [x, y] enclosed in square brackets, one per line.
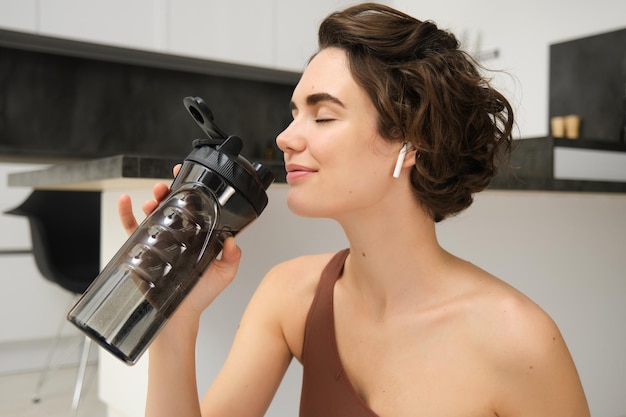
[537, 164]
[532, 167]
[113, 173]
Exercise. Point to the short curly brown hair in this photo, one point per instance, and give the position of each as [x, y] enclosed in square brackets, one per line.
[430, 93]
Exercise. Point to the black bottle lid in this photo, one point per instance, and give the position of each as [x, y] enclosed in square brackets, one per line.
[221, 154]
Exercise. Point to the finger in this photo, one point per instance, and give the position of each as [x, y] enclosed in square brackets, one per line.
[225, 268]
[231, 253]
[176, 169]
[160, 191]
[149, 206]
[125, 211]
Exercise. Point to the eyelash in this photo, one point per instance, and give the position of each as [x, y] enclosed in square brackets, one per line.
[323, 120]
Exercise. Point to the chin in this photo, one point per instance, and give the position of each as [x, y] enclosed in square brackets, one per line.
[305, 206]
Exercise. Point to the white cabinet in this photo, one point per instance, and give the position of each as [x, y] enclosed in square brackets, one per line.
[297, 23]
[125, 23]
[296, 31]
[18, 15]
[237, 31]
[128, 23]
[267, 33]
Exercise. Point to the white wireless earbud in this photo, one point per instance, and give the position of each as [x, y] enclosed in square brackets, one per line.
[400, 161]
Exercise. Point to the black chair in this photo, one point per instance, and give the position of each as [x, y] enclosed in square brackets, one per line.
[65, 234]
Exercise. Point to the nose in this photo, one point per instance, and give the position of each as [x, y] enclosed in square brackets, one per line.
[290, 140]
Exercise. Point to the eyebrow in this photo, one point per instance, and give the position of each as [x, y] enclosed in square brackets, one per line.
[314, 99]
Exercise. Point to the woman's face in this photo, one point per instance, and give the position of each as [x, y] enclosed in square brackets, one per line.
[335, 159]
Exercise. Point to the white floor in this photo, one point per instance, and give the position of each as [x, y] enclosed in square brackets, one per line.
[17, 391]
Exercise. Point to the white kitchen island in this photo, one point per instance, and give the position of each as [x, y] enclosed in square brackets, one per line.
[564, 248]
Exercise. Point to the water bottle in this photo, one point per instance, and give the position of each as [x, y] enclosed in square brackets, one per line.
[216, 193]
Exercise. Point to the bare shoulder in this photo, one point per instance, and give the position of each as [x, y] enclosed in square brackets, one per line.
[518, 329]
[298, 275]
[288, 289]
[523, 346]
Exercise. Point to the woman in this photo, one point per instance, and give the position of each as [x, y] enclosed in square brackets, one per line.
[393, 130]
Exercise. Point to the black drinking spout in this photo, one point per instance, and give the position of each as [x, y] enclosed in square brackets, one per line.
[203, 116]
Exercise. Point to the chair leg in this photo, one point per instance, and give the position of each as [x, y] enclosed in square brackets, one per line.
[48, 367]
[80, 376]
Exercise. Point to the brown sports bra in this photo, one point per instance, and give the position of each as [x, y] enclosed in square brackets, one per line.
[326, 390]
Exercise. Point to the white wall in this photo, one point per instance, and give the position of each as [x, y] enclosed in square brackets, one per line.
[565, 251]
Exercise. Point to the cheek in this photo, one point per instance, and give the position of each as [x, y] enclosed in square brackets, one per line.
[331, 195]
[373, 167]
[363, 184]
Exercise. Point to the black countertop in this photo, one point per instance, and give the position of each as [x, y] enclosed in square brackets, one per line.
[532, 167]
[531, 170]
[117, 172]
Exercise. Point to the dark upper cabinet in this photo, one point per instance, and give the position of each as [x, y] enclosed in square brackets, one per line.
[588, 78]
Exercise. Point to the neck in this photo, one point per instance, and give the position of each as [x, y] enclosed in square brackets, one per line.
[394, 262]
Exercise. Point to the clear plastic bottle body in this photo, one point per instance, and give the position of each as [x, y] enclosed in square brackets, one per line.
[216, 193]
[149, 276]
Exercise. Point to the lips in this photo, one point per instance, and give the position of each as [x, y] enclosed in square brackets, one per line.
[296, 172]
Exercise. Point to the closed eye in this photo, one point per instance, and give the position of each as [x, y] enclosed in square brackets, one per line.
[324, 120]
